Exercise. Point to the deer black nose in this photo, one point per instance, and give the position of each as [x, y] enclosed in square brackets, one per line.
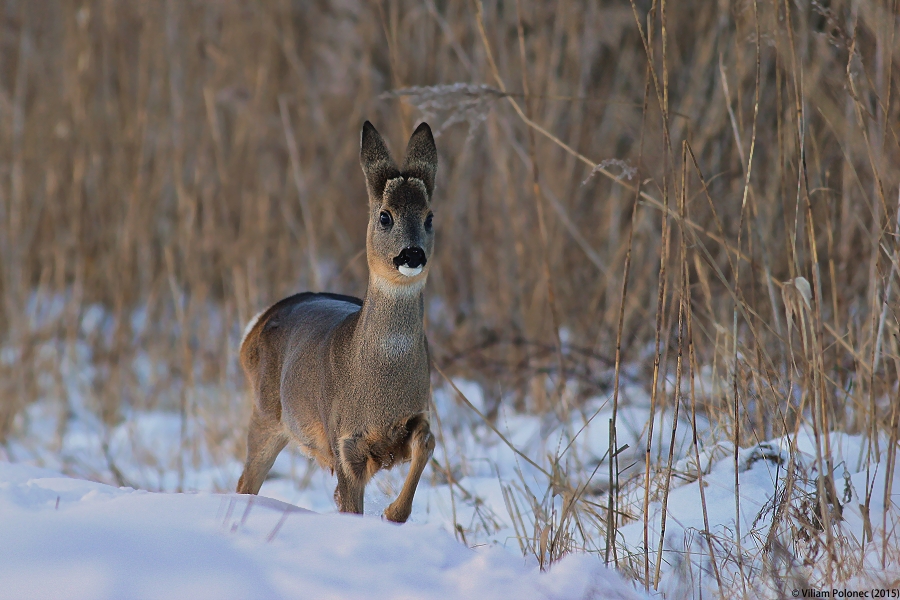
[411, 257]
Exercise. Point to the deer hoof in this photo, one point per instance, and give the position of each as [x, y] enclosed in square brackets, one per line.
[397, 514]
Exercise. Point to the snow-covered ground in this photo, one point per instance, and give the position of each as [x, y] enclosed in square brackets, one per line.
[694, 565]
[99, 541]
[70, 538]
[496, 502]
[482, 488]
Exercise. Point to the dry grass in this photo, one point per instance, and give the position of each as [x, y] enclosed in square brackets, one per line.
[198, 160]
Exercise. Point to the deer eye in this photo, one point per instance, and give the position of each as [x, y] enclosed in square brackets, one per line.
[428, 223]
[386, 219]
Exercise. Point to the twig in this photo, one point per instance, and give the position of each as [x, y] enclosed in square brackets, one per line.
[302, 193]
[488, 422]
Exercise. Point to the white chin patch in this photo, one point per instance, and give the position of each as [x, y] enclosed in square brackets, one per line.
[410, 272]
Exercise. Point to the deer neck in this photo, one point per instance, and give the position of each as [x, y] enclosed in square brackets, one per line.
[391, 319]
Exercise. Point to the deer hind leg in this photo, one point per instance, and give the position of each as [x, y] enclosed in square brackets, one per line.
[264, 441]
[422, 447]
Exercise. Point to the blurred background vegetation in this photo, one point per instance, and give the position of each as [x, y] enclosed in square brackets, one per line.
[169, 168]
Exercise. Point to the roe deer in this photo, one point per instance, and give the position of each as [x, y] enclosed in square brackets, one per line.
[349, 379]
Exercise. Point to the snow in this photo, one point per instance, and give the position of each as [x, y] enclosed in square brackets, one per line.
[763, 470]
[69, 539]
[479, 513]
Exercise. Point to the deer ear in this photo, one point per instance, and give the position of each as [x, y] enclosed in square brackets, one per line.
[421, 157]
[376, 161]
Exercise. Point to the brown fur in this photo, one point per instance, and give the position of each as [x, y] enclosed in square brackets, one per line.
[349, 379]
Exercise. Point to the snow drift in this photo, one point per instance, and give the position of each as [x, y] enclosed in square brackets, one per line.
[70, 539]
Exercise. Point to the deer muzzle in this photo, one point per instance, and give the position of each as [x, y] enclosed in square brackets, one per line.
[410, 261]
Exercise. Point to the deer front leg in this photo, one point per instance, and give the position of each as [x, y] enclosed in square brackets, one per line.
[351, 473]
[422, 445]
[349, 494]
